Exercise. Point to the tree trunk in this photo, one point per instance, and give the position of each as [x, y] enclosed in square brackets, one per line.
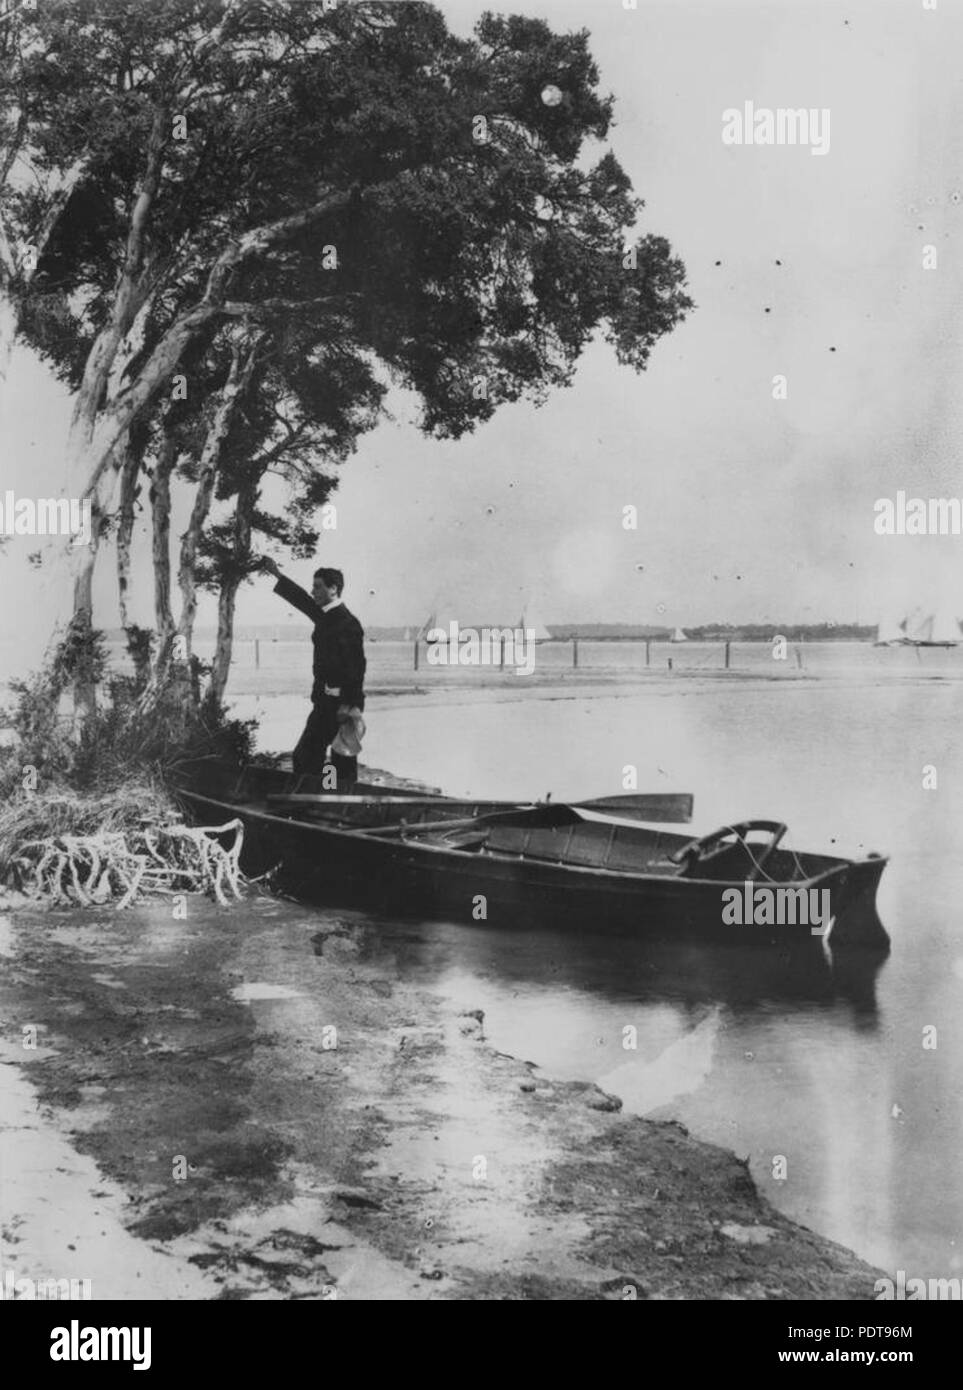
[138, 638]
[129, 492]
[80, 637]
[132, 289]
[100, 424]
[223, 652]
[83, 560]
[238, 378]
[160, 499]
[243, 515]
[161, 533]
[93, 457]
[8, 335]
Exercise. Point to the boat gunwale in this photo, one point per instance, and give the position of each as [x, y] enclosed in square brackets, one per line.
[358, 834]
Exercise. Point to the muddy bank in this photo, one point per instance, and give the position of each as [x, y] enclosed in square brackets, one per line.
[254, 1104]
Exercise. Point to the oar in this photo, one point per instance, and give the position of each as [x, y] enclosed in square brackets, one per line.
[653, 806]
[559, 814]
[668, 806]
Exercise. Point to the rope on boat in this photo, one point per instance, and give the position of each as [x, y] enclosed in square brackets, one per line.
[760, 868]
[91, 870]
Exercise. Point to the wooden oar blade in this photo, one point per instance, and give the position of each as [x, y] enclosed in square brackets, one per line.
[654, 806]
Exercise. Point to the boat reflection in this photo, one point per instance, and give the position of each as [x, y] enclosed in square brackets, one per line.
[622, 969]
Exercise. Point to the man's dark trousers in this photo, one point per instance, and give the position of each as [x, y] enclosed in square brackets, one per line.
[319, 732]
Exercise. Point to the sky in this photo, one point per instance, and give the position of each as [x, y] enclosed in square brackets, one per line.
[750, 509]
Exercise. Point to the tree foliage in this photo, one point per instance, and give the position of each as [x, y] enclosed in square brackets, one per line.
[350, 197]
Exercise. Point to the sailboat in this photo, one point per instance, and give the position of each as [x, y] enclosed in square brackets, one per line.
[890, 633]
[426, 627]
[938, 629]
[440, 621]
[678, 636]
[531, 620]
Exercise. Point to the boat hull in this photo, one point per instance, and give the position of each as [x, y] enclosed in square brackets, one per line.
[414, 877]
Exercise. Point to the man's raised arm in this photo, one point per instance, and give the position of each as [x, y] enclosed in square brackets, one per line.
[293, 593]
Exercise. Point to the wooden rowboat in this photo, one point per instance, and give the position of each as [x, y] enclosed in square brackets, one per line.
[610, 864]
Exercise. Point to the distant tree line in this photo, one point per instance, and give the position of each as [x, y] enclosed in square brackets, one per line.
[716, 632]
[765, 632]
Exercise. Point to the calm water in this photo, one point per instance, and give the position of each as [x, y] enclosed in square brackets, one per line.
[393, 660]
[769, 1056]
[270, 665]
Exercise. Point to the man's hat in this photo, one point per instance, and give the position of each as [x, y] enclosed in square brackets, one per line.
[347, 741]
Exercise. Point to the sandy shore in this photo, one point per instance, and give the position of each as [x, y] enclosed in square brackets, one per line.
[190, 1127]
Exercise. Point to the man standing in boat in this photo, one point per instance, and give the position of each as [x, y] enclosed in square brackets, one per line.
[337, 695]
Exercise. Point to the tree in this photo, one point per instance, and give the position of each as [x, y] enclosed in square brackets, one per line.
[36, 181]
[410, 194]
[311, 404]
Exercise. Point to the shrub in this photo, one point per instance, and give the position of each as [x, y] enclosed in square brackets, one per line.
[111, 782]
[128, 740]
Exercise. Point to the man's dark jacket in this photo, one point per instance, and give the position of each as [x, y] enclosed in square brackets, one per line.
[338, 637]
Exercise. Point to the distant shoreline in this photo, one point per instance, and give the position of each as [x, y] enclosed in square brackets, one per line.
[565, 632]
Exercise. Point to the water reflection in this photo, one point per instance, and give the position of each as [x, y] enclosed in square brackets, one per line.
[623, 969]
[820, 1060]
[768, 1051]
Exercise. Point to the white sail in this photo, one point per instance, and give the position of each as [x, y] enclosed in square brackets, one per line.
[530, 619]
[889, 633]
[939, 628]
[441, 619]
[944, 627]
[678, 636]
[917, 625]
